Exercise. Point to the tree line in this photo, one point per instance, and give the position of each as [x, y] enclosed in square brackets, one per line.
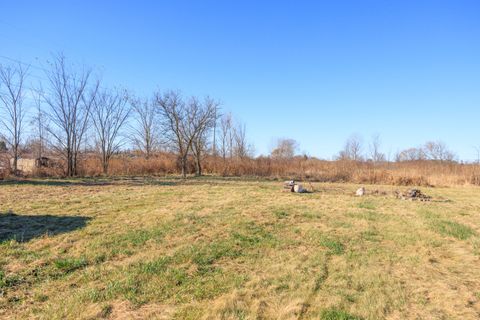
[71, 111]
[72, 106]
[355, 150]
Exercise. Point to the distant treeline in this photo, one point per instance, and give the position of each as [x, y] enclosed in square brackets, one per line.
[69, 124]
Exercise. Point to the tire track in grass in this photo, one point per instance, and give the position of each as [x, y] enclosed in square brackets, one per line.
[318, 285]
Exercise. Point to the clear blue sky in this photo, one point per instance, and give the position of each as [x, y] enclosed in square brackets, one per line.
[314, 71]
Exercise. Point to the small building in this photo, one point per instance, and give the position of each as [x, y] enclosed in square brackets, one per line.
[28, 165]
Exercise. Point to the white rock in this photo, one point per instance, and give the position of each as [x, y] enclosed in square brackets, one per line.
[360, 192]
[298, 188]
[289, 183]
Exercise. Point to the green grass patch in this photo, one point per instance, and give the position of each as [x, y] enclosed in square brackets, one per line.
[369, 215]
[205, 256]
[140, 237]
[234, 312]
[281, 214]
[334, 314]
[170, 282]
[371, 235]
[366, 204]
[452, 229]
[335, 246]
[128, 243]
[155, 266]
[9, 281]
[68, 265]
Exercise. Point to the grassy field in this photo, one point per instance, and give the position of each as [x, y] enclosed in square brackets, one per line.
[220, 249]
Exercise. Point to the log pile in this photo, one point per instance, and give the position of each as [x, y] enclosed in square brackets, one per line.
[412, 195]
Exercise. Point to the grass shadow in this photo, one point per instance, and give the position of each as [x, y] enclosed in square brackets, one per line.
[89, 182]
[53, 183]
[168, 180]
[56, 183]
[23, 228]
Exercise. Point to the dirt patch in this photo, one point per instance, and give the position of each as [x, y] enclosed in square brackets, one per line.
[119, 309]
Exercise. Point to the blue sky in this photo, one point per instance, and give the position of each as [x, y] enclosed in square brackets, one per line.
[315, 71]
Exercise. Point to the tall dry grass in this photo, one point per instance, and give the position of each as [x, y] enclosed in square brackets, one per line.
[420, 173]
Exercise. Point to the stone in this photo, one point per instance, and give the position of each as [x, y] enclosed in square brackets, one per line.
[289, 185]
[298, 188]
[360, 192]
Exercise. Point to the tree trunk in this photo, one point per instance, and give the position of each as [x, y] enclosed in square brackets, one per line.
[198, 166]
[184, 166]
[69, 164]
[15, 163]
[105, 161]
[105, 168]
[74, 165]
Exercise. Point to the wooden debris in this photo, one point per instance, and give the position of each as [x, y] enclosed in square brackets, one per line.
[412, 195]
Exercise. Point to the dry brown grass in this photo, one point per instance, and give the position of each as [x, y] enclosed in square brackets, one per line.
[413, 173]
[416, 173]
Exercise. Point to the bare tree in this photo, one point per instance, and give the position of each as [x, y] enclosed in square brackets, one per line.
[217, 116]
[145, 129]
[435, 151]
[241, 149]
[438, 151]
[12, 80]
[284, 149]
[352, 149]
[226, 139]
[204, 121]
[185, 125]
[375, 154]
[39, 126]
[410, 154]
[174, 119]
[477, 150]
[69, 95]
[109, 114]
[226, 136]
